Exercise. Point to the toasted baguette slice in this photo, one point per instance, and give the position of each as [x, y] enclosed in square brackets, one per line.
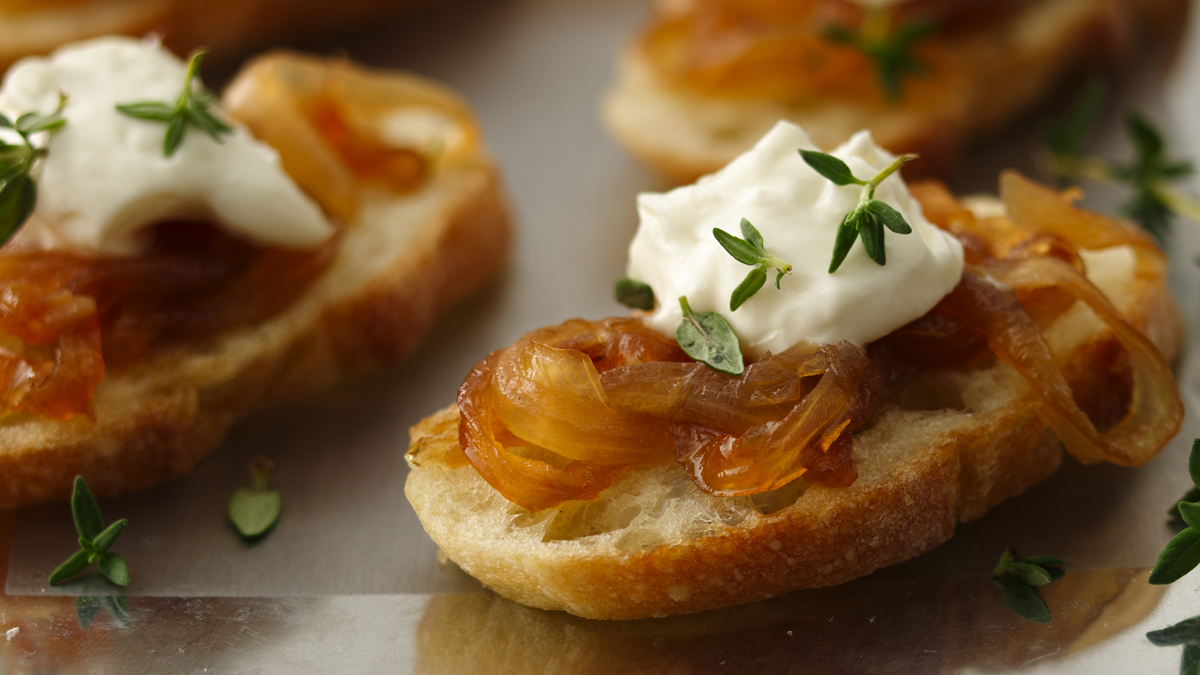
[402, 259]
[1013, 65]
[225, 27]
[950, 448]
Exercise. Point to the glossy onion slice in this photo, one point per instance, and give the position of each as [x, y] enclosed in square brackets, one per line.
[544, 391]
[782, 418]
[50, 361]
[1038, 209]
[989, 305]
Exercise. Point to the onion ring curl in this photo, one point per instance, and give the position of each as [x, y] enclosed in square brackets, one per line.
[764, 429]
[986, 300]
[554, 372]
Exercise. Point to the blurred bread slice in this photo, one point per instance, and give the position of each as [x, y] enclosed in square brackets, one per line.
[402, 260]
[1012, 65]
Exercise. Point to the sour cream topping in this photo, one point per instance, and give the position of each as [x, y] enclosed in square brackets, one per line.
[798, 212]
[105, 178]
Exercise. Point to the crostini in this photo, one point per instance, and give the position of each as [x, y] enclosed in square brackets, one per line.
[187, 262]
[596, 468]
[707, 78]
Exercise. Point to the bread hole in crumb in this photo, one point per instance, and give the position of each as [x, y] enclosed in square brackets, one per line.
[578, 519]
[779, 499]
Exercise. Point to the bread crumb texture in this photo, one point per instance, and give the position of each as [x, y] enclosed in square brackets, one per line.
[946, 450]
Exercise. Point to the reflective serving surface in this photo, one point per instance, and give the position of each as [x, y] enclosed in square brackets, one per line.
[348, 581]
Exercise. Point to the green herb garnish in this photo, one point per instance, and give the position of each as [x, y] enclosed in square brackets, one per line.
[1019, 579]
[1186, 633]
[889, 51]
[1150, 173]
[750, 251]
[95, 540]
[18, 194]
[708, 338]
[254, 511]
[634, 294]
[190, 109]
[1182, 553]
[869, 217]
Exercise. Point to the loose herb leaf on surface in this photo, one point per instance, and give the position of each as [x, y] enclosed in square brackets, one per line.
[1019, 578]
[190, 109]
[94, 540]
[634, 294]
[1182, 553]
[254, 511]
[708, 338]
[750, 251]
[869, 217]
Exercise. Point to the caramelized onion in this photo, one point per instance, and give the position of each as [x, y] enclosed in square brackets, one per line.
[553, 398]
[989, 304]
[771, 454]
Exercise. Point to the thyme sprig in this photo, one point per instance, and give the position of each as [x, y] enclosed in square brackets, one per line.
[750, 251]
[890, 51]
[95, 540]
[18, 194]
[1019, 579]
[1150, 173]
[190, 109]
[1182, 553]
[869, 217]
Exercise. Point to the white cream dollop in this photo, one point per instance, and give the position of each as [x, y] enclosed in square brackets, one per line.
[798, 212]
[105, 178]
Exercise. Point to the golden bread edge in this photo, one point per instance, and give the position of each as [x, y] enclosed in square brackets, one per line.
[867, 526]
[156, 418]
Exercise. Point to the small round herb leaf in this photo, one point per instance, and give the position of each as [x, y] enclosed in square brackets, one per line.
[77, 563]
[108, 537]
[88, 521]
[1192, 495]
[1184, 632]
[254, 512]
[749, 286]
[847, 234]
[1027, 573]
[634, 294]
[1055, 567]
[1181, 556]
[871, 230]
[832, 168]
[1189, 512]
[113, 566]
[889, 216]
[158, 112]
[1147, 142]
[708, 338]
[1024, 599]
[742, 251]
[752, 235]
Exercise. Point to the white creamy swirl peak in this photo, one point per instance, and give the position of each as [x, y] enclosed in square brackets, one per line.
[798, 212]
[105, 177]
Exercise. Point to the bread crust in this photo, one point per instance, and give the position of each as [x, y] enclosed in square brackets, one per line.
[922, 469]
[685, 134]
[158, 416]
